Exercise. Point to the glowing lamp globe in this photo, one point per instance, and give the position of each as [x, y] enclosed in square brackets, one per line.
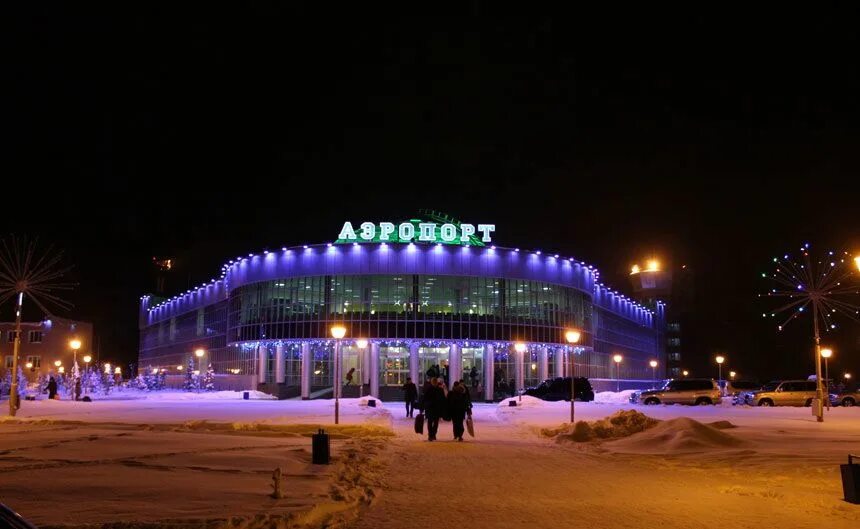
[720, 359]
[199, 353]
[520, 347]
[361, 343]
[617, 359]
[653, 363]
[87, 359]
[338, 332]
[572, 336]
[75, 344]
[826, 353]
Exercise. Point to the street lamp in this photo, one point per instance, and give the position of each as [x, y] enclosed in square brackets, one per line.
[520, 348]
[720, 359]
[827, 353]
[361, 343]
[75, 344]
[107, 368]
[847, 376]
[732, 375]
[685, 372]
[87, 359]
[199, 352]
[653, 364]
[857, 262]
[337, 332]
[57, 363]
[617, 359]
[572, 337]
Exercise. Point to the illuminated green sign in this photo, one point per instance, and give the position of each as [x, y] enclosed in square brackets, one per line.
[417, 230]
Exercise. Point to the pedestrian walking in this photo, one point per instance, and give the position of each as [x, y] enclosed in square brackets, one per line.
[349, 375]
[410, 395]
[457, 407]
[77, 388]
[434, 407]
[473, 376]
[52, 388]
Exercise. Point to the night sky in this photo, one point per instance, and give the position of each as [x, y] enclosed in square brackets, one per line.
[712, 140]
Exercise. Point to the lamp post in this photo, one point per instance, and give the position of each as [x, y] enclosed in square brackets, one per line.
[617, 359]
[653, 364]
[199, 354]
[572, 337]
[847, 376]
[827, 353]
[29, 366]
[520, 348]
[732, 375]
[361, 343]
[337, 332]
[720, 359]
[685, 372]
[87, 359]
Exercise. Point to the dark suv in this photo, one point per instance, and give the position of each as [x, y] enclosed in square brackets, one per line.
[559, 389]
[698, 391]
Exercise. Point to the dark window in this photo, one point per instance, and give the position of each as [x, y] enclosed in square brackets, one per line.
[809, 386]
[35, 337]
[702, 384]
[10, 337]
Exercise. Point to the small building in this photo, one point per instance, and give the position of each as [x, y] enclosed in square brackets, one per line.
[43, 344]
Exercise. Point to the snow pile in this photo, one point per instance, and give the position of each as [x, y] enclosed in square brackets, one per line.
[613, 397]
[527, 402]
[190, 395]
[679, 435]
[621, 424]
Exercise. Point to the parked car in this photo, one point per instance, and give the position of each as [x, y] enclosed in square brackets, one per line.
[559, 389]
[845, 398]
[12, 520]
[785, 393]
[695, 391]
[734, 387]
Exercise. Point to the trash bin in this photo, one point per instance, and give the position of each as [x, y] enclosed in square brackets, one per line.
[851, 480]
[371, 403]
[246, 395]
[512, 403]
[320, 448]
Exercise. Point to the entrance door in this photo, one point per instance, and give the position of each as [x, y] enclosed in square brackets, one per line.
[432, 357]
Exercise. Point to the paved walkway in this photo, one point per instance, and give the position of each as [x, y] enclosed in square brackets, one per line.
[509, 477]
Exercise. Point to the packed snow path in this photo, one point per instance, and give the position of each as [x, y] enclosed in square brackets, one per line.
[510, 477]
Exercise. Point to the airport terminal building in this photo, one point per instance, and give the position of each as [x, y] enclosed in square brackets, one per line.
[415, 294]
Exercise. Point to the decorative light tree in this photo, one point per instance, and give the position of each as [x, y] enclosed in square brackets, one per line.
[188, 383]
[209, 379]
[826, 288]
[25, 271]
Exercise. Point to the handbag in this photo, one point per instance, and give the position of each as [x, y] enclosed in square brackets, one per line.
[419, 424]
[470, 426]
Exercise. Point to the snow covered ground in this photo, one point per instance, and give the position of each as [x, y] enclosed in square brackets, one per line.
[165, 459]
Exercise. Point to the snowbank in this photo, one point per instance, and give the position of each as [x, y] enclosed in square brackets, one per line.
[168, 394]
[678, 435]
[527, 402]
[622, 424]
[613, 397]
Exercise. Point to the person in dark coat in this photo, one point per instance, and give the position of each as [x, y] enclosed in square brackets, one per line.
[78, 388]
[473, 375]
[513, 388]
[349, 375]
[52, 388]
[468, 397]
[410, 395]
[434, 407]
[457, 407]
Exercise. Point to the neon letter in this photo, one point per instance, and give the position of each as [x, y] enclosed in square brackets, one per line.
[347, 232]
[428, 231]
[385, 229]
[486, 229]
[368, 230]
[406, 231]
[466, 230]
[449, 232]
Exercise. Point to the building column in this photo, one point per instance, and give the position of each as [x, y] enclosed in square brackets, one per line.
[489, 371]
[455, 364]
[262, 364]
[414, 363]
[307, 370]
[558, 361]
[519, 369]
[280, 372]
[374, 370]
[365, 365]
[543, 364]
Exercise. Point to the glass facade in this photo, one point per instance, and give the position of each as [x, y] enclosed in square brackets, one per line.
[406, 306]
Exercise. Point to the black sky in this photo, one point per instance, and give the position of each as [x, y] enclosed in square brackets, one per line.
[712, 139]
